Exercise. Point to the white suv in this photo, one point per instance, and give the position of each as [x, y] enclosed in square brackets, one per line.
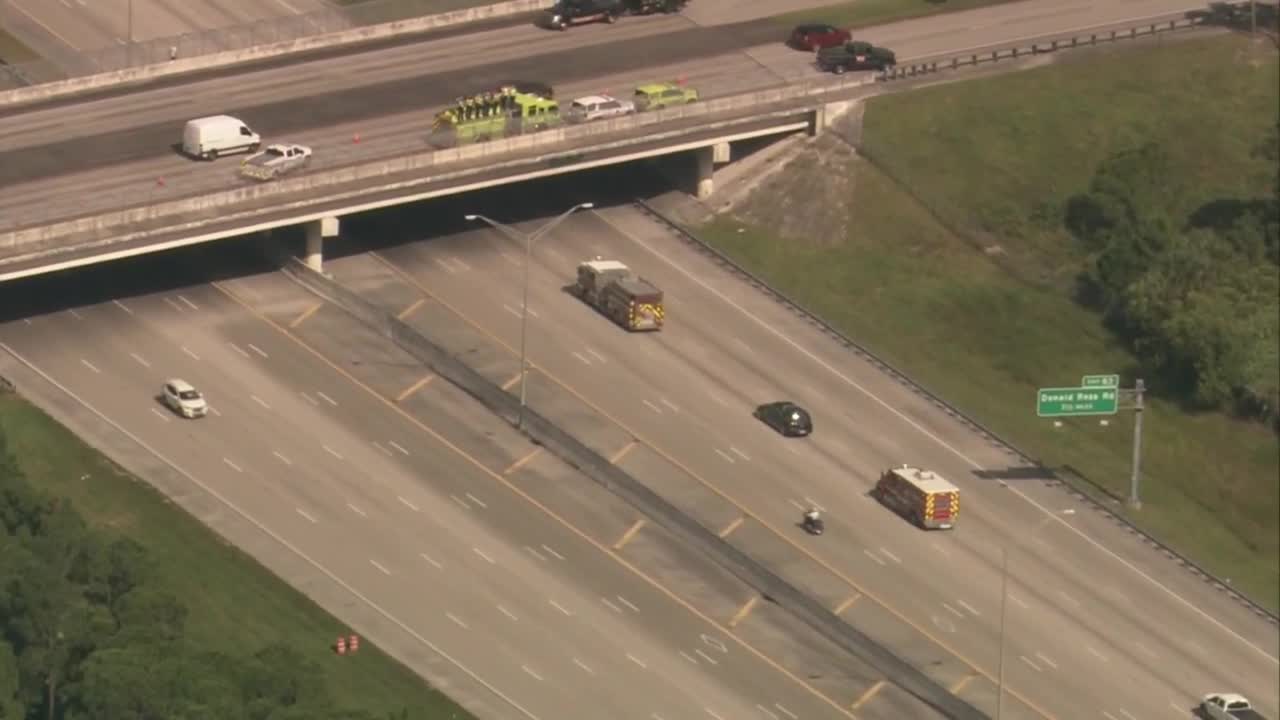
[593, 107]
[184, 399]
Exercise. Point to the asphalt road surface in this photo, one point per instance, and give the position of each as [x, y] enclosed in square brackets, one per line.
[396, 502]
[117, 151]
[65, 28]
[1098, 624]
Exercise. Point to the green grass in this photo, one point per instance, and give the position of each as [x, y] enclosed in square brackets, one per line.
[236, 605]
[12, 50]
[859, 13]
[985, 155]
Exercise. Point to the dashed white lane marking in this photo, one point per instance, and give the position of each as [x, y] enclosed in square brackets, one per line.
[379, 446]
[433, 561]
[1030, 663]
[1094, 652]
[480, 552]
[535, 675]
[596, 355]
[535, 553]
[1045, 659]
[968, 607]
[1021, 603]
[232, 465]
[324, 397]
[953, 611]
[215, 411]
[396, 445]
[305, 514]
[331, 451]
[188, 303]
[637, 661]
[898, 560]
[90, 365]
[122, 306]
[688, 657]
[457, 621]
[191, 354]
[585, 668]
[656, 716]
[407, 504]
[739, 453]
[310, 399]
[1127, 714]
[786, 712]
[476, 500]
[797, 504]
[161, 415]
[1109, 716]
[713, 714]
[283, 459]
[767, 711]
[1146, 650]
[628, 603]
[507, 612]
[260, 401]
[942, 550]
[1068, 598]
[610, 605]
[461, 503]
[378, 565]
[728, 458]
[238, 349]
[141, 361]
[583, 358]
[444, 265]
[874, 557]
[706, 657]
[1179, 708]
[814, 504]
[172, 304]
[357, 510]
[653, 407]
[553, 552]
[258, 350]
[719, 400]
[76, 315]
[560, 607]
[668, 403]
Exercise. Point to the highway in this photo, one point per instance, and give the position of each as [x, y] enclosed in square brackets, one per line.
[117, 150]
[1099, 625]
[504, 577]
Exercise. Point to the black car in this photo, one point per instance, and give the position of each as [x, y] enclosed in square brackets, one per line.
[786, 417]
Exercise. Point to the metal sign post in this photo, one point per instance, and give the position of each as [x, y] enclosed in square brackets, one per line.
[1099, 395]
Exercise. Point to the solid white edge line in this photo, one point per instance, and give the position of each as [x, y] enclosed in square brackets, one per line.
[271, 534]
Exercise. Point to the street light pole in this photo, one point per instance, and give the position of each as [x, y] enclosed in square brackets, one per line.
[130, 49]
[1004, 599]
[528, 239]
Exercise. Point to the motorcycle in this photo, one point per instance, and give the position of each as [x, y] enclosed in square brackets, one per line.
[813, 527]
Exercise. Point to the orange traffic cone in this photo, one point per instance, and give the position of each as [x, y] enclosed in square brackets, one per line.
[354, 642]
[341, 647]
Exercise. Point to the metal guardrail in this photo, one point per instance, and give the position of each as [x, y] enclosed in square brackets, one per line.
[985, 432]
[594, 466]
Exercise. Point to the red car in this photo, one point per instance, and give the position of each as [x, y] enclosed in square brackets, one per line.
[813, 36]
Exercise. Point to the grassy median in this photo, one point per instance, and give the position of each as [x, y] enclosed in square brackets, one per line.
[236, 605]
[949, 261]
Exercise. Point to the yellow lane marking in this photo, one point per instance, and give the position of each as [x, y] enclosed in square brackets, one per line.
[630, 533]
[731, 526]
[743, 612]
[306, 314]
[867, 695]
[536, 504]
[848, 602]
[522, 461]
[617, 457]
[962, 684]
[510, 383]
[412, 308]
[414, 388]
[716, 489]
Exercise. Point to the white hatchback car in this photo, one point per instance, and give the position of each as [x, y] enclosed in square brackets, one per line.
[184, 399]
[595, 107]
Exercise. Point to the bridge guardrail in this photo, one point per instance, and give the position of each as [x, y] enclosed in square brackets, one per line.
[986, 433]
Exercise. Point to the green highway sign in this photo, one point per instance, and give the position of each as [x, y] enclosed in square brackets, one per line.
[1066, 402]
[1100, 381]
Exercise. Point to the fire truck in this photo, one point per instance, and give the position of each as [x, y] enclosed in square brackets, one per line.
[577, 12]
[493, 115]
[619, 294]
[922, 496]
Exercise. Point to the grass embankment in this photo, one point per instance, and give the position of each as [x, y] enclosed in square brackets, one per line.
[860, 13]
[236, 605]
[964, 282]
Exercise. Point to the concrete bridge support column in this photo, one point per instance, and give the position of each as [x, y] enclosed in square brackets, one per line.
[707, 159]
[317, 231]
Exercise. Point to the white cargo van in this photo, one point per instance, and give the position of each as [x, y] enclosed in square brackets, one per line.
[208, 137]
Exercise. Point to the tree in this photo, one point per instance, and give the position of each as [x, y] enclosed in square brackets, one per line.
[11, 708]
[278, 678]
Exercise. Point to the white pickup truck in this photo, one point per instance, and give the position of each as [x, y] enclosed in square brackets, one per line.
[1228, 706]
[276, 160]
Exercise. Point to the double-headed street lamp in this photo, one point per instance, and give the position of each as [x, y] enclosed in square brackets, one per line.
[528, 240]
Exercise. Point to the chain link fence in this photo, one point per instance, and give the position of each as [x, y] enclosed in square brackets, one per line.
[283, 28]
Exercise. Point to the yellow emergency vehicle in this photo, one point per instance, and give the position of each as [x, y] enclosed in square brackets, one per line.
[922, 496]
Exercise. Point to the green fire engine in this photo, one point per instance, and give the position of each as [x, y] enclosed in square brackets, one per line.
[492, 115]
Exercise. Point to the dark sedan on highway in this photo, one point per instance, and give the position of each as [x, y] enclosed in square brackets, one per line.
[786, 417]
[814, 36]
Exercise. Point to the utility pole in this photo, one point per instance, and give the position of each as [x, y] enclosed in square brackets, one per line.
[1139, 388]
[130, 45]
[1004, 599]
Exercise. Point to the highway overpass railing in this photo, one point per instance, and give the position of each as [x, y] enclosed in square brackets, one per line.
[595, 466]
[1050, 474]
